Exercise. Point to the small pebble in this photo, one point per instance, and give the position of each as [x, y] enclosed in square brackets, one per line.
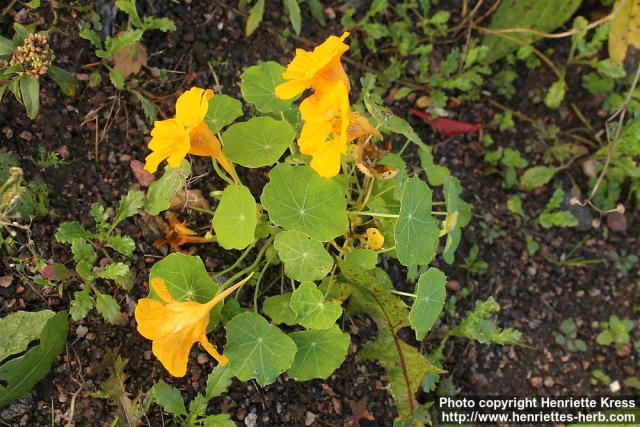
[26, 135]
[81, 331]
[549, 382]
[309, 418]
[614, 386]
[201, 359]
[251, 420]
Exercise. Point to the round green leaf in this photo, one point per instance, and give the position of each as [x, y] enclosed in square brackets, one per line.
[235, 218]
[223, 110]
[258, 87]
[257, 349]
[319, 353]
[305, 259]
[186, 279]
[416, 232]
[278, 308]
[307, 301]
[297, 198]
[258, 142]
[430, 296]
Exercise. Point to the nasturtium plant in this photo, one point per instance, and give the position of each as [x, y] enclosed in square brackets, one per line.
[320, 227]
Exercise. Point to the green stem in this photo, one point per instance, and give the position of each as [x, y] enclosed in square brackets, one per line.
[381, 251]
[375, 214]
[256, 291]
[237, 263]
[248, 269]
[198, 209]
[404, 294]
[220, 173]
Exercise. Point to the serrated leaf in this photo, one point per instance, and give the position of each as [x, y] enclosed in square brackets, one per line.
[92, 36]
[83, 251]
[81, 304]
[108, 307]
[64, 79]
[100, 216]
[307, 301]
[544, 16]
[478, 326]
[255, 17]
[219, 420]
[19, 375]
[537, 176]
[258, 142]
[235, 218]
[169, 398]
[416, 232]
[319, 353]
[117, 79]
[278, 308]
[122, 244]
[304, 258]
[297, 198]
[258, 87]
[129, 205]
[557, 219]
[114, 271]
[430, 296]
[70, 230]
[163, 24]
[223, 110]
[625, 30]
[148, 107]
[30, 94]
[257, 349]
[218, 381]
[162, 190]
[556, 93]
[19, 329]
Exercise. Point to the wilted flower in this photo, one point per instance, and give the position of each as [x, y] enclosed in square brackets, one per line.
[34, 56]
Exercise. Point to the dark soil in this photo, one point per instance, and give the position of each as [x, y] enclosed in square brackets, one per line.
[534, 293]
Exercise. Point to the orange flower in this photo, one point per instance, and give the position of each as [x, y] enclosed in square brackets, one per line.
[318, 70]
[174, 326]
[187, 133]
[177, 234]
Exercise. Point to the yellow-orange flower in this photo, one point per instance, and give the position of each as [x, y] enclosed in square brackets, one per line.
[324, 134]
[329, 125]
[187, 133]
[318, 70]
[174, 326]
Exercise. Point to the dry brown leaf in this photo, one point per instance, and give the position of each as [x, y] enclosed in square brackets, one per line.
[130, 59]
[625, 32]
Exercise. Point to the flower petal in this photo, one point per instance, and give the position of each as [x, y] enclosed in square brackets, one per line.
[192, 106]
[173, 352]
[203, 141]
[151, 316]
[160, 287]
[291, 89]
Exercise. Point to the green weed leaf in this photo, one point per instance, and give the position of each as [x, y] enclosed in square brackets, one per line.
[161, 191]
[19, 329]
